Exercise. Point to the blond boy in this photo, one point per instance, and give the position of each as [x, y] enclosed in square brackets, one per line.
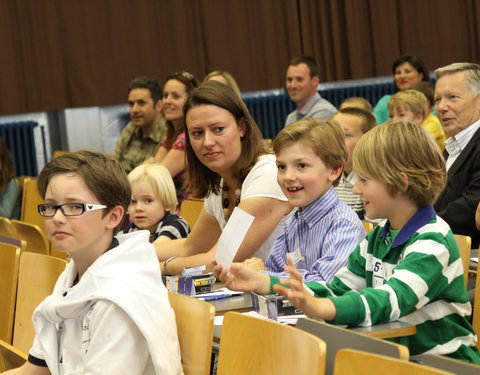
[412, 105]
[408, 268]
[322, 231]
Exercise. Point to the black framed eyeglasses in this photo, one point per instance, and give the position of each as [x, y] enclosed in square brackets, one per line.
[68, 209]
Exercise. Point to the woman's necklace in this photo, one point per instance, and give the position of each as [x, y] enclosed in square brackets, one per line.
[225, 201]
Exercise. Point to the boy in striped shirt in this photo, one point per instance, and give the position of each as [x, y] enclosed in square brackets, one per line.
[322, 231]
[355, 123]
[408, 268]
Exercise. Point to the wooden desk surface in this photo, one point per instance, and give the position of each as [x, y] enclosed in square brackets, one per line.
[387, 330]
[243, 303]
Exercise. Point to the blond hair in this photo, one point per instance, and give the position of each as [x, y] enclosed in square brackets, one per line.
[228, 77]
[161, 181]
[325, 138]
[414, 100]
[356, 102]
[399, 148]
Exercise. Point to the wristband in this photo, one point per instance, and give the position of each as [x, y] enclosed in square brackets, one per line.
[165, 264]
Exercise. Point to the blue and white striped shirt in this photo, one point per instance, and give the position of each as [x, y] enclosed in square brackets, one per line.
[325, 232]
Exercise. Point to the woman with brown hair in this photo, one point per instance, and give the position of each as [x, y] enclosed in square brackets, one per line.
[172, 152]
[229, 166]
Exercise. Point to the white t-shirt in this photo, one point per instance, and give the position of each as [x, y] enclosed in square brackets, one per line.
[261, 181]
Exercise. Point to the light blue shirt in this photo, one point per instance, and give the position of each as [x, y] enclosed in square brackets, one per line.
[316, 107]
[325, 232]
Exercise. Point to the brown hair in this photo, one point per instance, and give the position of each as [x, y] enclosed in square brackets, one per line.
[401, 147]
[104, 176]
[201, 179]
[309, 61]
[427, 89]
[367, 119]
[325, 138]
[189, 81]
[7, 169]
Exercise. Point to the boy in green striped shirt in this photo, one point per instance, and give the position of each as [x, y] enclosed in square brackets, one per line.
[408, 268]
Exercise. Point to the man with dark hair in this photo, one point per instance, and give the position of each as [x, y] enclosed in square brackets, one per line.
[142, 136]
[457, 98]
[301, 83]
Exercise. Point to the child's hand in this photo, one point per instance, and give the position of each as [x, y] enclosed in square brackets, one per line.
[240, 277]
[313, 307]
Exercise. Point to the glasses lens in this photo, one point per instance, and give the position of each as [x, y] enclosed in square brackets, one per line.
[73, 209]
[46, 209]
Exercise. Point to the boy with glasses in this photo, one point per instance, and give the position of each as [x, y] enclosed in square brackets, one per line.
[109, 311]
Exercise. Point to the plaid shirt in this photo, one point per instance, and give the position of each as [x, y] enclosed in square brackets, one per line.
[132, 148]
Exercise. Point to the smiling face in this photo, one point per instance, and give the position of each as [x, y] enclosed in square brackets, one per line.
[215, 137]
[84, 236]
[143, 111]
[456, 107]
[302, 175]
[406, 76]
[145, 209]
[377, 201]
[174, 97]
[300, 86]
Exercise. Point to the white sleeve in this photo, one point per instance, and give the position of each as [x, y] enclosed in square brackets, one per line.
[262, 180]
[116, 344]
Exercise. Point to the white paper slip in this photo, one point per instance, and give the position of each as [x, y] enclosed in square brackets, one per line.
[232, 236]
[474, 259]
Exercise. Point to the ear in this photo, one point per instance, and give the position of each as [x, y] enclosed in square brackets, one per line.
[242, 127]
[159, 105]
[419, 118]
[114, 217]
[405, 182]
[316, 80]
[335, 173]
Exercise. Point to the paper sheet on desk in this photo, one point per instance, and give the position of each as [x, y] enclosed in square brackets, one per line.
[232, 236]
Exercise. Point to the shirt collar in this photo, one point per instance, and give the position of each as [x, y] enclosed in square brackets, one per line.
[155, 135]
[455, 145]
[423, 216]
[316, 210]
[304, 110]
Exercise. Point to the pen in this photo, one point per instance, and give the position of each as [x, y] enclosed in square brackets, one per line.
[212, 298]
